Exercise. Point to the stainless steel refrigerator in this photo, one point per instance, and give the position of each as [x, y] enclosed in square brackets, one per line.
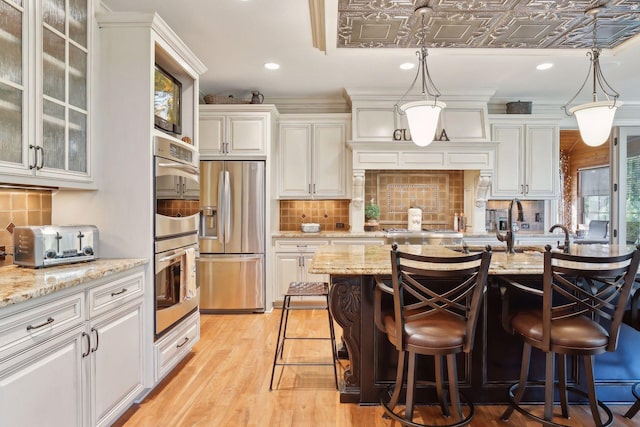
[231, 268]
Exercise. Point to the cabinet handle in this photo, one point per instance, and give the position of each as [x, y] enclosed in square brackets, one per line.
[113, 294]
[49, 321]
[41, 165]
[84, 334]
[35, 157]
[97, 340]
[186, 340]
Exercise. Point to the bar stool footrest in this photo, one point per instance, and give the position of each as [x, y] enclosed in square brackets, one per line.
[544, 422]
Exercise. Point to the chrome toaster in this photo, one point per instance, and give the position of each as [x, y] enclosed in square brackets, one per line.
[47, 245]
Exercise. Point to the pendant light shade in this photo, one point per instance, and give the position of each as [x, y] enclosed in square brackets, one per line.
[422, 117]
[595, 120]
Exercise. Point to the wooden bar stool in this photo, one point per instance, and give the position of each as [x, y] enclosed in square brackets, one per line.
[583, 302]
[436, 304]
[304, 289]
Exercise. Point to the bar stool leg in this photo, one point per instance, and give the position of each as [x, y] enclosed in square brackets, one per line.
[453, 387]
[522, 382]
[562, 384]
[591, 389]
[332, 334]
[278, 348]
[439, 382]
[411, 386]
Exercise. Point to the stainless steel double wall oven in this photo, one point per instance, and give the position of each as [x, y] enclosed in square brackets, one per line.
[177, 192]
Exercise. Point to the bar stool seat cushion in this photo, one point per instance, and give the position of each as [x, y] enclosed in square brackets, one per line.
[579, 333]
[438, 331]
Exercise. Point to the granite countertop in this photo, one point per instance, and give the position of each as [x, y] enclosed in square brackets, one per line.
[19, 284]
[375, 259]
[331, 234]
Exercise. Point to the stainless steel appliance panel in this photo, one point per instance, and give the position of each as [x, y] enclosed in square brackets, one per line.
[232, 207]
[231, 282]
[171, 299]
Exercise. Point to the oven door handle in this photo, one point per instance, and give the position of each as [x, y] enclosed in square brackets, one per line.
[172, 257]
[180, 166]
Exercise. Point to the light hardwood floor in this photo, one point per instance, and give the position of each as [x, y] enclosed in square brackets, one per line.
[225, 382]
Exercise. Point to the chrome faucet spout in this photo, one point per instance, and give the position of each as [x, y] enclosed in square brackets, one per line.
[566, 248]
[510, 236]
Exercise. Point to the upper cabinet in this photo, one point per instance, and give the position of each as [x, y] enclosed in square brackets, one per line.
[527, 158]
[45, 92]
[377, 120]
[236, 130]
[313, 158]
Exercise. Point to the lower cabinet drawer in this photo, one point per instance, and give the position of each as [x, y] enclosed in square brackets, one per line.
[115, 293]
[40, 323]
[174, 346]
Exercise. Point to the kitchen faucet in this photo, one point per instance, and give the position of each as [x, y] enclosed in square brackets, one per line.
[510, 237]
[566, 248]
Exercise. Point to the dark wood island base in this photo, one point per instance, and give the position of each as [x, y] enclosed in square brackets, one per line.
[485, 374]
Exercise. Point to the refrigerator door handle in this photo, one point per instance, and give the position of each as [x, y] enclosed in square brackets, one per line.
[227, 207]
[221, 201]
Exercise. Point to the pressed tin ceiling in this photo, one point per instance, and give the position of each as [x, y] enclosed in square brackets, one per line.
[533, 24]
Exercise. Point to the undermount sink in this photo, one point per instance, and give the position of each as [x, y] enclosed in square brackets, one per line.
[520, 249]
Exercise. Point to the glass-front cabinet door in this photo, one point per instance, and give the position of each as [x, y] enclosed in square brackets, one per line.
[44, 88]
[63, 144]
[13, 146]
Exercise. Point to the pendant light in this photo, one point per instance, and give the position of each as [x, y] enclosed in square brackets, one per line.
[595, 118]
[422, 115]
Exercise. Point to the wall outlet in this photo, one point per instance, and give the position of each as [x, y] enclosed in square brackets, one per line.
[339, 225]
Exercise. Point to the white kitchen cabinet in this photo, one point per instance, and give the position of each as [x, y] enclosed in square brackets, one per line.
[45, 83]
[73, 358]
[235, 130]
[313, 157]
[176, 344]
[45, 385]
[293, 257]
[527, 160]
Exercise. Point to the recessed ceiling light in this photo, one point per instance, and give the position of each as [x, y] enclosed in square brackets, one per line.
[407, 66]
[271, 66]
[544, 66]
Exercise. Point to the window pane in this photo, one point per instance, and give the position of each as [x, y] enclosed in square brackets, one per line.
[53, 14]
[77, 141]
[10, 43]
[53, 125]
[633, 191]
[77, 77]
[594, 182]
[10, 124]
[78, 21]
[53, 65]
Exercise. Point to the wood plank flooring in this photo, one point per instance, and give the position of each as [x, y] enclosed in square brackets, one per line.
[225, 382]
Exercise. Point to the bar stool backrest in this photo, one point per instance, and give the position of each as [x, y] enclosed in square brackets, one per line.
[426, 285]
[595, 287]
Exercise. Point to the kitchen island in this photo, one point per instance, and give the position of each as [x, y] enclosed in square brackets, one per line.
[493, 365]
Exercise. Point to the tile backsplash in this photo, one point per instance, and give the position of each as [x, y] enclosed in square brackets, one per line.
[440, 194]
[327, 213]
[21, 207]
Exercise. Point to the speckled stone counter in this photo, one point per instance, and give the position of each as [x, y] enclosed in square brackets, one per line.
[493, 366]
[329, 234]
[19, 284]
[375, 259]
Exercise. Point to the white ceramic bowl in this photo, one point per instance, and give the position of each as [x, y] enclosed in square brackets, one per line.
[310, 227]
